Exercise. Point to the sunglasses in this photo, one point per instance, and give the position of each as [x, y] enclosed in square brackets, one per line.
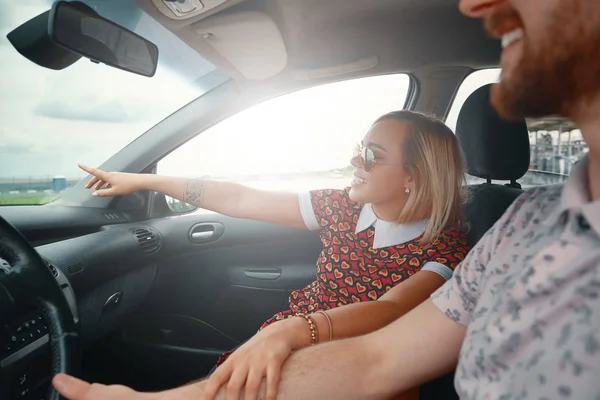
[367, 157]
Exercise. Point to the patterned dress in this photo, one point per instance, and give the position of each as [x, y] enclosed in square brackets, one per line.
[350, 270]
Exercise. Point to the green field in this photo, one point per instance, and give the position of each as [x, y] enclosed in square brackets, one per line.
[33, 199]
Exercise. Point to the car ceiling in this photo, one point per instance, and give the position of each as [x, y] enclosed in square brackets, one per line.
[402, 35]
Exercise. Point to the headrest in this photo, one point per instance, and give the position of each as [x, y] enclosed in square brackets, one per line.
[493, 147]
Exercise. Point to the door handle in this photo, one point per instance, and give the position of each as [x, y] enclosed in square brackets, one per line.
[200, 236]
[267, 274]
[206, 232]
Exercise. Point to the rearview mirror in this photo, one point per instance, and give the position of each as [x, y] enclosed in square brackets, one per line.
[79, 29]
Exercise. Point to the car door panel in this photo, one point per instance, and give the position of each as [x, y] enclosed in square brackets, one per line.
[209, 297]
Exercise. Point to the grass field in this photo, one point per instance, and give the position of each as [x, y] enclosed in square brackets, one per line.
[23, 199]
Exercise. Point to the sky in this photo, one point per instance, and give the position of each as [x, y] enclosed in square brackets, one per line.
[50, 120]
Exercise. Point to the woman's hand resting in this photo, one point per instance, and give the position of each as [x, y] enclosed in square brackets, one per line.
[112, 183]
[262, 356]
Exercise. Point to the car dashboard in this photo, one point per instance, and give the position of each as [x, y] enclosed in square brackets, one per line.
[105, 266]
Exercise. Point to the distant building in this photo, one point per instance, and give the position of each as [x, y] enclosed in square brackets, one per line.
[59, 183]
[556, 145]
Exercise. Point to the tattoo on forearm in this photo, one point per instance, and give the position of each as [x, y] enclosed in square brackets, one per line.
[193, 192]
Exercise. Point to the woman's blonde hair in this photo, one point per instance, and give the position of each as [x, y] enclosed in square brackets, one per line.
[433, 159]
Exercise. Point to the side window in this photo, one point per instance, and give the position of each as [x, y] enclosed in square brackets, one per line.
[471, 83]
[556, 143]
[299, 141]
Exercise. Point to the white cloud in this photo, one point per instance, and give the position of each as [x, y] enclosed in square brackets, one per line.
[10, 139]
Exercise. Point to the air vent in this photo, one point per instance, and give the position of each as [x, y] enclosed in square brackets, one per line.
[148, 239]
[52, 268]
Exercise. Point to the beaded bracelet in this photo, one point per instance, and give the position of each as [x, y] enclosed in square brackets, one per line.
[314, 333]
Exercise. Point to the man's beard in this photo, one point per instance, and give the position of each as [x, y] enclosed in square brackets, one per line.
[560, 71]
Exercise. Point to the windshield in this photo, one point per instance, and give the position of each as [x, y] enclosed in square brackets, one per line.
[51, 120]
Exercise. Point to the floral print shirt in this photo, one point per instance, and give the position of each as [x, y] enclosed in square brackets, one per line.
[529, 293]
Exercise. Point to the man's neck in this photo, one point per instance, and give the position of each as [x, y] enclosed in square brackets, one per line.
[594, 176]
[588, 120]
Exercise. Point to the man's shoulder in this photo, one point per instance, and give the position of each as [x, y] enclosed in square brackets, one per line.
[545, 190]
[534, 205]
[540, 196]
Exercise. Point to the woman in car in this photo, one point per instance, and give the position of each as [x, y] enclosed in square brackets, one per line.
[393, 236]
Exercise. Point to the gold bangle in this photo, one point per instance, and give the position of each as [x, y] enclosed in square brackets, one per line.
[314, 333]
[329, 323]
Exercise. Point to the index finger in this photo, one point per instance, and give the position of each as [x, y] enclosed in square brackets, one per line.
[93, 171]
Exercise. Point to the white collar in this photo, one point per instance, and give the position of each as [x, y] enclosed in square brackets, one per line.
[388, 233]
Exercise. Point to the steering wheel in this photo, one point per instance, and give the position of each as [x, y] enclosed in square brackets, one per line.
[26, 280]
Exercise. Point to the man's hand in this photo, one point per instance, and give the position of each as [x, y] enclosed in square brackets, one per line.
[75, 389]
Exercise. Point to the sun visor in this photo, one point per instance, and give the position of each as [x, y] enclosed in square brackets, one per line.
[250, 41]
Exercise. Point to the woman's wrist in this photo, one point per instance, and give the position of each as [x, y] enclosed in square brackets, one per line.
[145, 181]
[157, 183]
[302, 330]
[299, 331]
